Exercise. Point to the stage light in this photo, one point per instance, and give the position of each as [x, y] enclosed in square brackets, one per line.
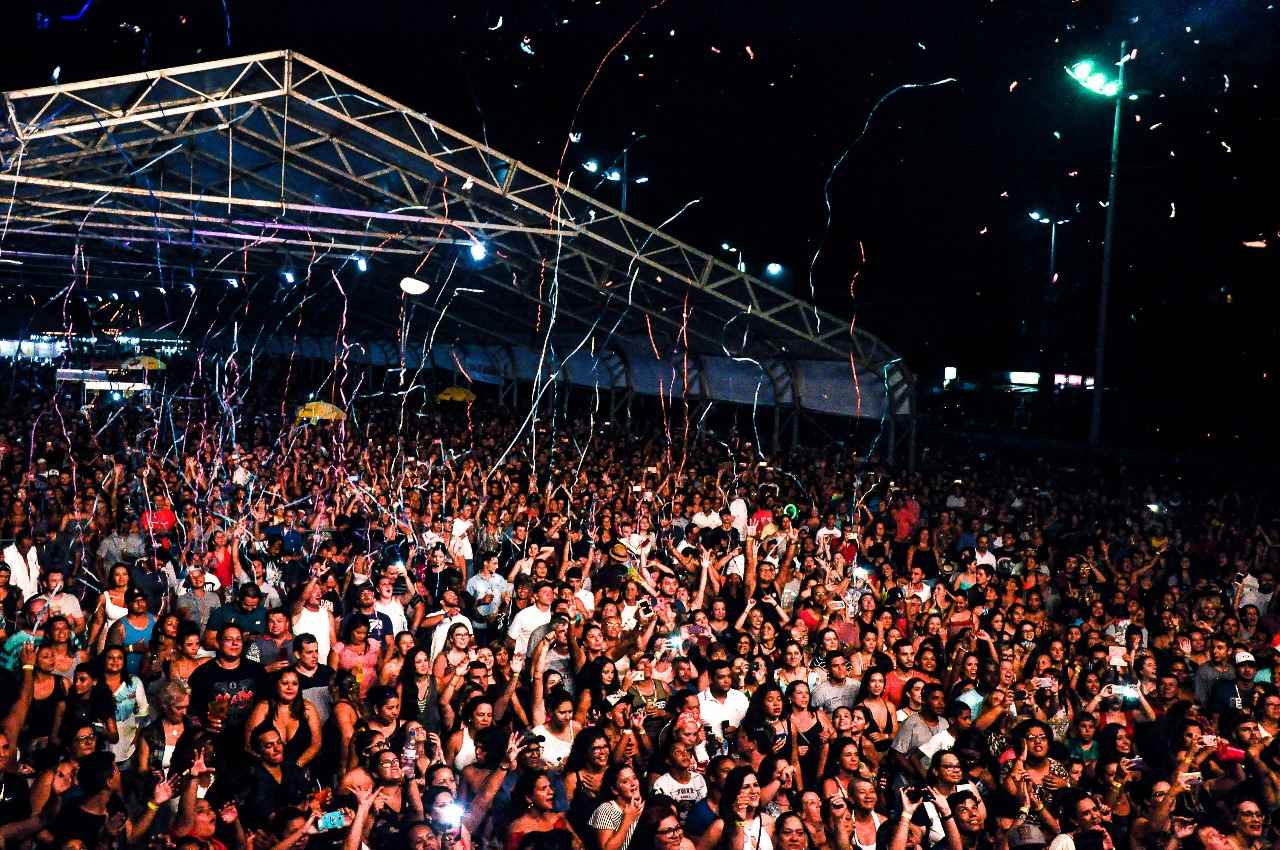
[642, 180]
[478, 251]
[413, 286]
[591, 166]
[1036, 215]
[725, 246]
[288, 277]
[233, 283]
[773, 269]
[361, 263]
[613, 176]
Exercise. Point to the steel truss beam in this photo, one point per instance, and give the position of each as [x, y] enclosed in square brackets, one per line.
[257, 131]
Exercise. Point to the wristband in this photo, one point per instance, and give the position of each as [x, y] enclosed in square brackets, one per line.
[153, 806]
[28, 666]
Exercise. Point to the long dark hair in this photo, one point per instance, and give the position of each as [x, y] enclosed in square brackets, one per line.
[408, 681]
[656, 809]
[580, 749]
[297, 708]
[728, 800]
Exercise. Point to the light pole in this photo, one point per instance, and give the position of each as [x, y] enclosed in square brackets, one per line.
[615, 175]
[1096, 82]
[1046, 361]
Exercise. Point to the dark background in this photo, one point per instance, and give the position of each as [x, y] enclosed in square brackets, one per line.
[955, 273]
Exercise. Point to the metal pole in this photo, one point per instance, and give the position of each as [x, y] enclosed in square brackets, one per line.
[1104, 291]
[1053, 248]
[625, 179]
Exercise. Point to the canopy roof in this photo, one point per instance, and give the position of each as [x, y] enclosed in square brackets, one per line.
[210, 181]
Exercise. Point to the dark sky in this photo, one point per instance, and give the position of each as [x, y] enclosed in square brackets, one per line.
[747, 105]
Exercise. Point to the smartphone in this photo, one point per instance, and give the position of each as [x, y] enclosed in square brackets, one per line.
[331, 820]
[1209, 740]
[1192, 778]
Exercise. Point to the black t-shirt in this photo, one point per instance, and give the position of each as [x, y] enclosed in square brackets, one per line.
[15, 798]
[75, 822]
[79, 712]
[241, 686]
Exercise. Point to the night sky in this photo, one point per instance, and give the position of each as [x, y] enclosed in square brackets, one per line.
[747, 106]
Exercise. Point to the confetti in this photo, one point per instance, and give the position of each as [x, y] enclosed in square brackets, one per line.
[715, 49]
[1173, 210]
[526, 45]
[1013, 85]
[78, 15]
[1256, 243]
[496, 26]
[751, 53]
[1225, 145]
[982, 231]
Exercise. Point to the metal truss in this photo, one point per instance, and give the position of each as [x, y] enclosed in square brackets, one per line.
[275, 155]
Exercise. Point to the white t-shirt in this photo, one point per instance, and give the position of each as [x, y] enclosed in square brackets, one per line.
[685, 795]
[738, 507]
[706, 519]
[442, 631]
[714, 712]
[317, 624]
[523, 625]
[554, 750]
[394, 610]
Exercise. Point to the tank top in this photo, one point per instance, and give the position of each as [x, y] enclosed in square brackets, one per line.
[132, 635]
[112, 614]
[466, 752]
[755, 836]
[876, 821]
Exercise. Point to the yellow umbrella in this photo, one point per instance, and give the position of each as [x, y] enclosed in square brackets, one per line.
[456, 394]
[143, 361]
[314, 410]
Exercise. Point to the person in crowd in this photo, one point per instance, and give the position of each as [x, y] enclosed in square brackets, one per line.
[322, 636]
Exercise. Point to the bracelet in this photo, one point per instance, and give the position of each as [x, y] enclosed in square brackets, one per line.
[153, 806]
[28, 666]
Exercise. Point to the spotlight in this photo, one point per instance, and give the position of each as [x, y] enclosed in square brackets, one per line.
[642, 180]
[613, 176]
[288, 277]
[233, 283]
[478, 251]
[413, 286]
[361, 263]
[1036, 215]
[773, 269]
[591, 166]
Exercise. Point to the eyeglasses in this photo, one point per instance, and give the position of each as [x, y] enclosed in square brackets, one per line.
[1250, 814]
[1037, 738]
[389, 763]
[89, 737]
[671, 831]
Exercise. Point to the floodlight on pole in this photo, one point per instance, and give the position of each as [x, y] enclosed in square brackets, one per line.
[1083, 73]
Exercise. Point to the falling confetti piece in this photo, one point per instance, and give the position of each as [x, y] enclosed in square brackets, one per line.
[920, 44]
[496, 26]
[1004, 194]
[751, 54]
[1226, 83]
[715, 50]
[1256, 243]
[1013, 85]
[57, 72]
[982, 232]
[1226, 146]
[526, 44]
[1057, 135]
[1155, 125]
[1073, 173]
[575, 137]
[1173, 210]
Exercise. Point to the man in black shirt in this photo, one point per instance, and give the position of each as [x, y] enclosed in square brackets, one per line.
[225, 689]
[273, 782]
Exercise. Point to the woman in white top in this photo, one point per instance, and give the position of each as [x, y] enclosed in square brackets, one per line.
[866, 820]
[111, 606]
[553, 719]
[740, 811]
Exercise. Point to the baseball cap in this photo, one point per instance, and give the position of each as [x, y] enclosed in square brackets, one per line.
[134, 593]
[1245, 658]
[1027, 835]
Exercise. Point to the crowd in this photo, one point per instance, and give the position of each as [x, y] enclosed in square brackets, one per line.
[412, 629]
